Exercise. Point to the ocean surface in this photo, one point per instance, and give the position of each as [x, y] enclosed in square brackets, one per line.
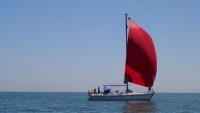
[28, 102]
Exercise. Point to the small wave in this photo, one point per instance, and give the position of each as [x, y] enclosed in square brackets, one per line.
[30, 110]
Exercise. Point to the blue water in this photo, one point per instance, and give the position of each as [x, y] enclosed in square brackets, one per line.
[22, 102]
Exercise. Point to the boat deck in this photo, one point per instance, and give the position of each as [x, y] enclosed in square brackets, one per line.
[121, 97]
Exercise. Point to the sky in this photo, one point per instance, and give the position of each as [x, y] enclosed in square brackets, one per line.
[76, 45]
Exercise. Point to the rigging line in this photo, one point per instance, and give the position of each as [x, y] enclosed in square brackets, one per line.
[108, 56]
[135, 4]
[149, 19]
[105, 62]
[137, 7]
[114, 48]
[111, 56]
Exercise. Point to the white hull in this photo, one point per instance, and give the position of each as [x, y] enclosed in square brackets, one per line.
[122, 97]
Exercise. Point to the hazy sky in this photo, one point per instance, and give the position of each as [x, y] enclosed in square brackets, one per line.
[75, 45]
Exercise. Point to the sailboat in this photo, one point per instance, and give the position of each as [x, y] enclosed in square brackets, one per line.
[140, 67]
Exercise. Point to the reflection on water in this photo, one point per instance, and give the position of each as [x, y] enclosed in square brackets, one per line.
[140, 107]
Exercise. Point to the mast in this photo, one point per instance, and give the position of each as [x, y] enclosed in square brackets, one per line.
[126, 26]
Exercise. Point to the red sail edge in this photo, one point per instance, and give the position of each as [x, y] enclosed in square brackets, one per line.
[141, 62]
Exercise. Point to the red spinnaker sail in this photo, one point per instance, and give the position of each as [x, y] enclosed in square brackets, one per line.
[141, 62]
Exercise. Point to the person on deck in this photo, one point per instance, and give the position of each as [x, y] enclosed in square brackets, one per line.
[104, 89]
[149, 89]
[95, 91]
[99, 90]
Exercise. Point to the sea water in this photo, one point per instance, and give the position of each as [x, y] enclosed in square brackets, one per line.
[28, 102]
